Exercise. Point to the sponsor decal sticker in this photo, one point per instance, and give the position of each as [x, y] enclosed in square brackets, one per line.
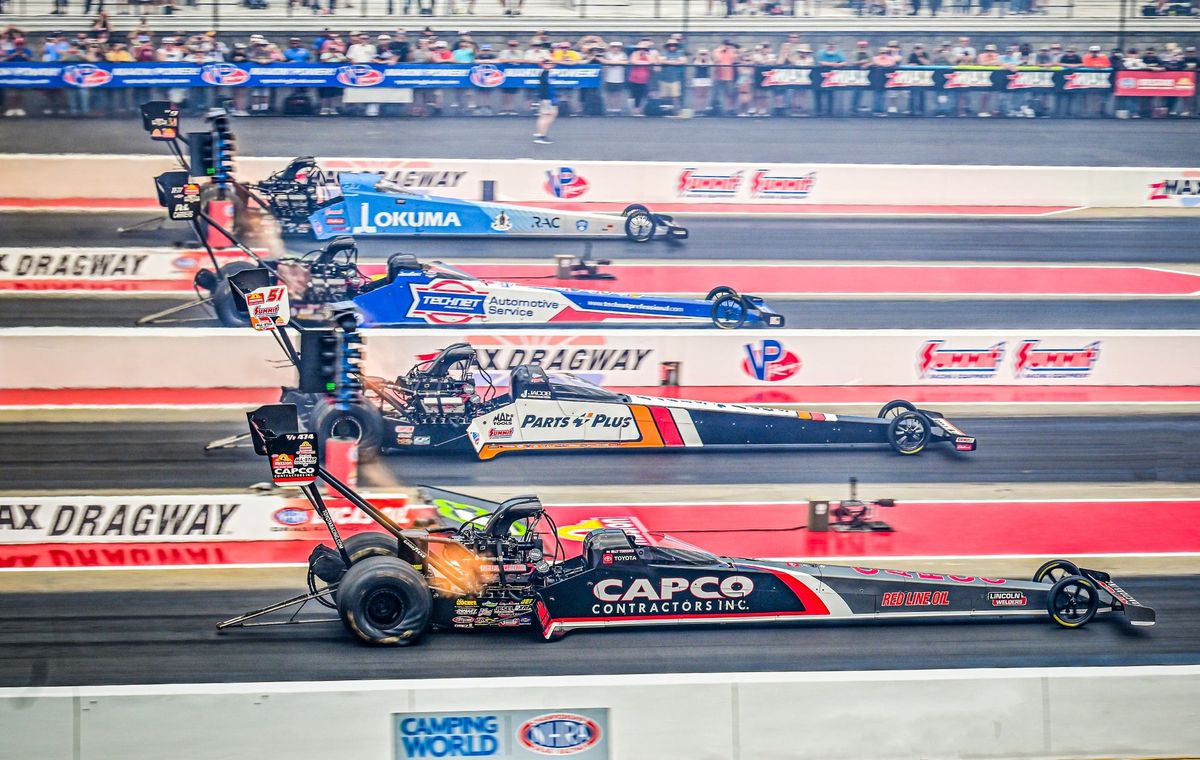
[1185, 190]
[915, 599]
[486, 75]
[903, 78]
[695, 185]
[846, 78]
[1007, 598]
[960, 79]
[1031, 80]
[1087, 80]
[291, 516]
[769, 361]
[1031, 361]
[501, 223]
[564, 182]
[85, 75]
[580, 734]
[765, 185]
[224, 74]
[934, 360]
[359, 75]
[559, 734]
[447, 302]
[787, 78]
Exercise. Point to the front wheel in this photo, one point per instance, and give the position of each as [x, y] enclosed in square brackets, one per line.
[361, 422]
[909, 432]
[1054, 571]
[894, 408]
[384, 601]
[640, 226]
[1073, 601]
[729, 312]
[720, 290]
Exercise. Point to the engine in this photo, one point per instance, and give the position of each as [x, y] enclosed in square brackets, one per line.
[442, 390]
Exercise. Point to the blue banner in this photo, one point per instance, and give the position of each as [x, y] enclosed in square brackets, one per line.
[414, 75]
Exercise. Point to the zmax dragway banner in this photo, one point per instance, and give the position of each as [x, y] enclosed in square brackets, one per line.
[939, 78]
[358, 75]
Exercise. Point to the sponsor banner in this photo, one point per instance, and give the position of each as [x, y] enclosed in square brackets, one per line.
[503, 734]
[189, 519]
[1156, 83]
[111, 269]
[1182, 189]
[221, 358]
[941, 78]
[356, 75]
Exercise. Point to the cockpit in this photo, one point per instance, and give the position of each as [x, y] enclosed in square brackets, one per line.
[531, 381]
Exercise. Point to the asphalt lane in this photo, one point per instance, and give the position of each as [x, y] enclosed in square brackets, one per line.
[810, 314]
[137, 456]
[1048, 142]
[98, 638]
[1124, 240]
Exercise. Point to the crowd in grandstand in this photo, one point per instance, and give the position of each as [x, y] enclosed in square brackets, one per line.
[639, 77]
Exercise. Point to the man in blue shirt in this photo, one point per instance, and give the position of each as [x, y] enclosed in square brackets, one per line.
[296, 52]
[832, 57]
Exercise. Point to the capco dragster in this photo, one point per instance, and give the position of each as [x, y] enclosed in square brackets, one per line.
[370, 204]
[437, 406]
[391, 588]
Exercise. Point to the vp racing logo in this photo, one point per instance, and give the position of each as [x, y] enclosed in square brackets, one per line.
[769, 361]
[565, 182]
[86, 75]
[447, 302]
[359, 75]
[225, 74]
[935, 360]
[487, 75]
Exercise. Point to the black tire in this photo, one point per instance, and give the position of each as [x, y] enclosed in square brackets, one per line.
[1073, 601]
[383, 601]
[894, 408]
[729, 312]
[720, 290]
[640, 226]
[361, 422]
[222, 297]
[1054, 571]
[634, 207]
[909, 433]
[370, 544]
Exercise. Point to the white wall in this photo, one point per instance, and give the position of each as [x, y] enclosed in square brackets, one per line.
[1004, 713]
[69, 176]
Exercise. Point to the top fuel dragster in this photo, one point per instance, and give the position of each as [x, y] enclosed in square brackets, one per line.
[504, 572]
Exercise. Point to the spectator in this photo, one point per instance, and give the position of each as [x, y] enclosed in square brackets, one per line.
[440, 52]
[332, 52]
[296, 52]
[701, 90]
[670, 78]
[724, 59]
[916, 97]
[510, 54]
[360, 51]
[830, 56]
[399, 46]
[884, 58]
[860, 60]
[613, 77]
[512, 7]
[547, 104]
[564, 54]
[762, 57]
[640, 62]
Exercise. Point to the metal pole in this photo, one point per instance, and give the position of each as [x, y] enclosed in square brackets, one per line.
[686, 16]
[216, 16]
[1121, 9]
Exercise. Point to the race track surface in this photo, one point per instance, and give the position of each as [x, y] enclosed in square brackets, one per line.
[809, 314]
[1161, 239]
[1076, 142]
[88, 456]
[162, 637]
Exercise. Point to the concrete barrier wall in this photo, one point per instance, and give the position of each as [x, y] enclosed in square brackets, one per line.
[72, 176]
[1015, 713]
[225, 358]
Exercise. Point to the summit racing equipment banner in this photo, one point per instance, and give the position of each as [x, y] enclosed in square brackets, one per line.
[941, 78]
[408, 75]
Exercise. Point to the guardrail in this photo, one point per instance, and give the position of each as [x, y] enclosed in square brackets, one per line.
[1011, 713]
[700, 183]
[219, 358]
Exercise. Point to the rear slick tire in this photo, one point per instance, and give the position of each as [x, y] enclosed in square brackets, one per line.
[384, 602]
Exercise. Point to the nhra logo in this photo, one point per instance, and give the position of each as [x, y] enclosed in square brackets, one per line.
[359, 75]
[447, 303]
[1031, 80]
[846, 78]
[908, 79]
[559, 734]
[693, 185]
[565, 183]
[1032, 361]
[1186, 191]
[763, 185]
[960, 79]
[487, 75]
[1088, 80]
[291, 516]
[935, 361]
[769, 361]
[225, 74]
[787, 78]
[86, 75]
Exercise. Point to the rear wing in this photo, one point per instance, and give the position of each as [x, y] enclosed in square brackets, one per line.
[1136, 613]
[295, 456]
